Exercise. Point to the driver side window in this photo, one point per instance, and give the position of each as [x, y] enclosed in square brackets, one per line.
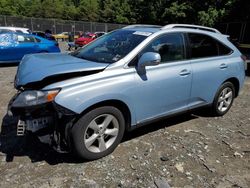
[25, 39]
[169, 46]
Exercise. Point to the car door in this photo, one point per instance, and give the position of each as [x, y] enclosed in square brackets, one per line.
[165, 88]
[211, 66]
[26, 45]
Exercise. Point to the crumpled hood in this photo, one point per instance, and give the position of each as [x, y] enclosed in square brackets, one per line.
[39, 68]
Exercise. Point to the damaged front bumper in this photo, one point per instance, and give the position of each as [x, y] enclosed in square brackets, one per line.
[50, 122]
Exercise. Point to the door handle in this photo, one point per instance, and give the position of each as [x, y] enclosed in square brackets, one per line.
[223, 66]
[185, 72]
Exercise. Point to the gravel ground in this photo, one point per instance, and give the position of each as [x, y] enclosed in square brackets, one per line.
[191, 150]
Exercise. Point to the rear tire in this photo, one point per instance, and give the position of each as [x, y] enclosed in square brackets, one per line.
[98, 132]
[223, 99]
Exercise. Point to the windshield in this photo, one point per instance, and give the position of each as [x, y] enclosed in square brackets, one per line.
[5, 31]
[111, 47]
[6, 39]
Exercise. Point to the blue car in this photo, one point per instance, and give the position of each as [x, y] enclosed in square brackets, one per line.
[13, 46]
[84, 101]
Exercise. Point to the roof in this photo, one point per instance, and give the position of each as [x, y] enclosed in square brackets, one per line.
[155, 28]
[189, 26]
[143, 29]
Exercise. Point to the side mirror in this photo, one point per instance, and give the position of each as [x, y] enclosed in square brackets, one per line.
[149, 59]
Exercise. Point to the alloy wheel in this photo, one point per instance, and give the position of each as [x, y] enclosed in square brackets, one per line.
[101, 133]
[225, 99]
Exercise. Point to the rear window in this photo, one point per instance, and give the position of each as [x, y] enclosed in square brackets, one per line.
[202, 46]
[19, 31]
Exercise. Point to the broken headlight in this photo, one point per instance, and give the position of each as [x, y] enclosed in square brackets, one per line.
[34, 97]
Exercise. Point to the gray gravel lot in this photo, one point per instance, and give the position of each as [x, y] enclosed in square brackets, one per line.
[191, 150]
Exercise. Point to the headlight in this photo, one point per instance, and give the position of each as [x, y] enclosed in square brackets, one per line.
[33, 97]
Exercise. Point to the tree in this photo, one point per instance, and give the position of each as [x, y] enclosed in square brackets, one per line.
[88, 10]
[212, 11]
[7, 7]
[148, 11]
[176, 12]
[207, 12]
[69, 11]
[239, 11]
[210, 17]
[118, 11]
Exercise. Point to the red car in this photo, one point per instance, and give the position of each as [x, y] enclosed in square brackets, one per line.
[87, 38]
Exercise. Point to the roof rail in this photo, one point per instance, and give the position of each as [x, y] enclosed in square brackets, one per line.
[141, 25]
[190, 27]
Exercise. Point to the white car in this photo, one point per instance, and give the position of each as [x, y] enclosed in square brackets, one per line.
[99, 33]
[15, 29]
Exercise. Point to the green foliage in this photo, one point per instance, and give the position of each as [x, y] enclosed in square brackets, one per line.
[176, 12]
[207, 12]
[118, 11]
[210, 16]
[239, 11]
[7, 7]
[88, 10]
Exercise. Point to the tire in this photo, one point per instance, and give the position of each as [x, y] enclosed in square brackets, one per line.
[92, 138]
[223, 99]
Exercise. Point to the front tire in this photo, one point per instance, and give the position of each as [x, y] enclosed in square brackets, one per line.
[98, 132]
[223, 99]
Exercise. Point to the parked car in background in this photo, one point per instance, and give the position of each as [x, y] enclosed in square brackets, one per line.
[65, 35]
[13, 46]
[44, 35]
[87, 38]
[245, 49]
[99, 33]
[14, 29]
[84, 101]
[239, 34]
[39, 33]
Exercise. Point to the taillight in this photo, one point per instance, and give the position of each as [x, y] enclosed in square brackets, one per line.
[244, 58]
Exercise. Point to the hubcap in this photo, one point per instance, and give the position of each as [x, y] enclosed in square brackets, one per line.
[101, 133]
[225, 99]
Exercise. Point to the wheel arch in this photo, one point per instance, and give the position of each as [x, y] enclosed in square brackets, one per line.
[123, 107]
[236, 84]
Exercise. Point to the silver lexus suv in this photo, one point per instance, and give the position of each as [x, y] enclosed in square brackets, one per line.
[84, 101]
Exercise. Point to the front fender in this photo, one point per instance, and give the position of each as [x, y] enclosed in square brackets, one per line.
[79, 104]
